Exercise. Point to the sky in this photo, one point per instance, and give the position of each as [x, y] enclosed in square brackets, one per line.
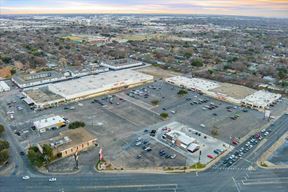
[266, 8]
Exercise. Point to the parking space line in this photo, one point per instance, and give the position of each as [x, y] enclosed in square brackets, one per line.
[120, 116]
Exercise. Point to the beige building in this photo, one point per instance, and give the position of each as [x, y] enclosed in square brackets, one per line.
[71, 141]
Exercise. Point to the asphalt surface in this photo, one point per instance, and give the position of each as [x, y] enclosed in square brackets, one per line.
[235, 179]
[243, 175]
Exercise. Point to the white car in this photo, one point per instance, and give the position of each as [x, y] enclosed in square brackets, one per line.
[26, 177]
[138, 143]
[202, 125]
[52, 179]
[173, 156]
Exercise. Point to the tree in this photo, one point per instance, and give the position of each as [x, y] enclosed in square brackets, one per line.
[4, 145]
[48, 151]
[214, 131]
[182, 92]
[35, 157]
[164, 115]
[4, 155]
[187, 55]
[197, 63]
[282, 73]
[1, 129]
[76, 124]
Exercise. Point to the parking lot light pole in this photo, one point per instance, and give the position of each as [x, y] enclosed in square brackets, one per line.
[199, 156]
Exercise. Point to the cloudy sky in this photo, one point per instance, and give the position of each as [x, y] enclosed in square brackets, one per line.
[268, 8]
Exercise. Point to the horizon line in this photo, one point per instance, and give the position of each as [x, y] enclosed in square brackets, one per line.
[73, 13]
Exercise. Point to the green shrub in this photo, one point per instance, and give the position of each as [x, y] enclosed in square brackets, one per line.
[182, 92]
[155, 102]
[164, 115]
[76, 124]
[198, 166]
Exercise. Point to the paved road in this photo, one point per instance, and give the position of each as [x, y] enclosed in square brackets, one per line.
[236, 179]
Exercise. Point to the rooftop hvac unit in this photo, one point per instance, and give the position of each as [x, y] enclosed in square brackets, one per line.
[66, 139]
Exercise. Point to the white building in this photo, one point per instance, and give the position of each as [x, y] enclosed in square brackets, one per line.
[4, 87]
[48, 123]
[260, 100]
[196, 84]
[94, 85]
[182, 140]
[86, 87]
[121, 64]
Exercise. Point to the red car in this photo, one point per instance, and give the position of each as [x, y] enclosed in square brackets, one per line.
[210, 156]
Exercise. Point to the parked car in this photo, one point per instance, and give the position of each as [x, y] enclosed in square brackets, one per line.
[210, 156]
[153, 133]
[173, 156]
[138, 143]
[53, 179]
[26, 177]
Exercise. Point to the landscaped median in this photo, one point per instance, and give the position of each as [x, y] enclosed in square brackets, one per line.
[104, 166]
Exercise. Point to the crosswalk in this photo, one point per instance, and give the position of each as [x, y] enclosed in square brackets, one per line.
[262, 181]
[232, 168]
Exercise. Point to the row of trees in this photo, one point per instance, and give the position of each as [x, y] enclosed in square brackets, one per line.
[4, 147]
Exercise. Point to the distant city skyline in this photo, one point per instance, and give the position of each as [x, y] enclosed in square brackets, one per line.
[266, 8]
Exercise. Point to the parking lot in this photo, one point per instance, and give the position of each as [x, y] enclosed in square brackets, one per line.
[119, 120]
[210, 116]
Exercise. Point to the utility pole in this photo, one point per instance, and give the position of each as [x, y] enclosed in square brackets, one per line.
[76, 157]
[199, 156]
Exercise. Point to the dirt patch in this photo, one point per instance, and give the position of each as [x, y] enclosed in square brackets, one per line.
[158, 72]
[5, 72]
[234, 91]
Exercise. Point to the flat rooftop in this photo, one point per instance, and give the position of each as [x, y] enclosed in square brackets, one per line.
[193, 83]
[262, 98]
[120, 62]
[76, 137]
[70, 138]
[36, 77]
[50, 121]
[97, 83]
[42, 95]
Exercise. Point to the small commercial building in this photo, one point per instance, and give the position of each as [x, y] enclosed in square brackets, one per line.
[119, 64]
[260, 100]
[53, 122]
[71, 141]
[4, 87]
[182, 140]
